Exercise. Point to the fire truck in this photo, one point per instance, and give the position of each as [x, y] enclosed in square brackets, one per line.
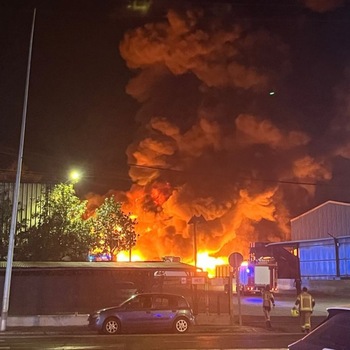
[255, 275]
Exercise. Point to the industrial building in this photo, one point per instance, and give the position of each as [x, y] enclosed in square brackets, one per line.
[29, 199]
[320, 238]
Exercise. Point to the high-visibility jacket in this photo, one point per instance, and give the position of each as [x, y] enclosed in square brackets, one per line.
[305, 301]
[268, 298]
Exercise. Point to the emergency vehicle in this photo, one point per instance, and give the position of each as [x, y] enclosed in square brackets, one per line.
[255, 275]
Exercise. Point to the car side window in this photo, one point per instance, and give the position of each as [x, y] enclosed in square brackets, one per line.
[161, 302]
[182, 303]
[140, 302]
[134, 303]
[146, 302]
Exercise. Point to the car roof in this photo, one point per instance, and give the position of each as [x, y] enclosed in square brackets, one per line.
[161, 294]
[339, 308]
[335, 310]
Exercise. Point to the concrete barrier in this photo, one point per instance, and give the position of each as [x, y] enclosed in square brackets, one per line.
[48, 320]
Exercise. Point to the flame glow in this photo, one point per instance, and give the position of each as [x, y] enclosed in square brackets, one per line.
[124, 256]
[208, 263]
[208, 140]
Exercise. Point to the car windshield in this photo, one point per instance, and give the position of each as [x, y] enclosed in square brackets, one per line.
[127, 301]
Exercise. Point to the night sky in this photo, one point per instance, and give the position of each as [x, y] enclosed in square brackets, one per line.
[234, 110]
[78, 111]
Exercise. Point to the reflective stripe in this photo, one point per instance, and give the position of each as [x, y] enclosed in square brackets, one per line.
[266, 298]
[305, 302]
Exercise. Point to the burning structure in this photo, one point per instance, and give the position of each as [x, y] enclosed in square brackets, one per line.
[212, 140]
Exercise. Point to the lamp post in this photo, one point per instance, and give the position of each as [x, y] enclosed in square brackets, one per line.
[195, 220]
[8, 274]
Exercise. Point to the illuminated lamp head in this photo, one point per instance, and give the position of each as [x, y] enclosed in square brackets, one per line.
[74, 176]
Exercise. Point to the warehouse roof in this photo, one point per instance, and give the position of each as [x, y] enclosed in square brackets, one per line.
[344, 204]
[135, 265]
[297, 242]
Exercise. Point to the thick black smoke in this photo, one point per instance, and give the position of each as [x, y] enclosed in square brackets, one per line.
[209, 142]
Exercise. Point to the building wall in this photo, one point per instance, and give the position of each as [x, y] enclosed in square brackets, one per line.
[318, 259]
[323, 234]
[329, 218]
[30, 195]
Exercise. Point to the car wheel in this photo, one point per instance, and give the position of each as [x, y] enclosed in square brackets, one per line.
[181, 325]
[111, 326]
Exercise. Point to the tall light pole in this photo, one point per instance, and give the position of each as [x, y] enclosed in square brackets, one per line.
[8, 275]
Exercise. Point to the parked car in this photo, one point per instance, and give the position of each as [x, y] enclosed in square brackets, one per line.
[145, 312]
[332, 334]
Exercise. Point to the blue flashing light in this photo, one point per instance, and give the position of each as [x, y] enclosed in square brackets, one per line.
[99, 257]
[253, 300]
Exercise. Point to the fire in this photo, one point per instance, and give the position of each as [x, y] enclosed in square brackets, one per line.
[208, 263]
[124, 256]
[204, 260]
[198, 152]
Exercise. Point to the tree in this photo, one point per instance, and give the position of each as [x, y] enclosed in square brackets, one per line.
[5, 224]
[114, 230]
[5, 216]
[62, 232]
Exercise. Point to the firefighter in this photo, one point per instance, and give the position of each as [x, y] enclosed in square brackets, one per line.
[268, 300]
[305, 302]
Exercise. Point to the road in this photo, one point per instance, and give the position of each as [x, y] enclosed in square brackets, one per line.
[149, 341]
[213, 332]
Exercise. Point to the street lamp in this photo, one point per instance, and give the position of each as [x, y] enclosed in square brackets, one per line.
[74, 176]
[9, 262]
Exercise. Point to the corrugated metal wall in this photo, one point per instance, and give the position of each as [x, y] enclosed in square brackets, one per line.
[344, 257]
[318, 259]
[30, 195]
[330, 218]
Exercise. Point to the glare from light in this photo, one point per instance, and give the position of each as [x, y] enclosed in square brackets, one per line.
[142, 6]
[74, 176]
[208, 263]
[124, 256]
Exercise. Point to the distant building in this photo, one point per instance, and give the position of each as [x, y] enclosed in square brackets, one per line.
[320, 239]
[323, 237]
[30, 196]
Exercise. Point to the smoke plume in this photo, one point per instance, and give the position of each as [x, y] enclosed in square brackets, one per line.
[323, 5]
[206, 143]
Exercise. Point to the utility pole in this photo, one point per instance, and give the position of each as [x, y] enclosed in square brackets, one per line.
[8, 274]
[195, 220]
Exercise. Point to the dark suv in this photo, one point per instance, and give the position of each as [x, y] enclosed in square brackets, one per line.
[332, 334]
[145, 312]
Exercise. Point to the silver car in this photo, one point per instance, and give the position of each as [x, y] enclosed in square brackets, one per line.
[145, 312]
[332, 334]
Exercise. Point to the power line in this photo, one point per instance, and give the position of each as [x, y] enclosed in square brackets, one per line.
[286, 182]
